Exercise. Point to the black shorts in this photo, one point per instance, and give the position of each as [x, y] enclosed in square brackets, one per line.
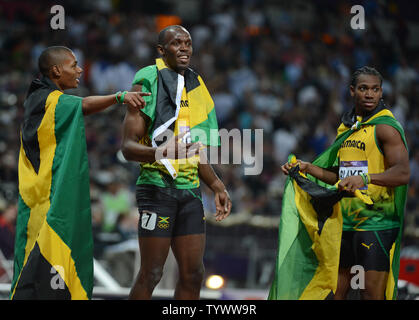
[169, 212]
[369, 249]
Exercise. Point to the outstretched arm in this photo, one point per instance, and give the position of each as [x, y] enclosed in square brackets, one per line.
[94, 104]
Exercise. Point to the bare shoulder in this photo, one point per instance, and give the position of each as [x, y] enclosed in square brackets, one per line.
[388, 134]
[392, 145]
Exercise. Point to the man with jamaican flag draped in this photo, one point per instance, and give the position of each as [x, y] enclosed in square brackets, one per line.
[346, 208]
[181, 110]
[53, 256]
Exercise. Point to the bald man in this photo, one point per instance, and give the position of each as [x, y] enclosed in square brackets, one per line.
[58, 65]
[53, 232]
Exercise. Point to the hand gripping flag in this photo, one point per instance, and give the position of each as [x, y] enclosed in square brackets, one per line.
[310, 229]
[54, 245]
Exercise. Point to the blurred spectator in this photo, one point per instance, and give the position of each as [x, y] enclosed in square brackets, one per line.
[116, 202]
[285, 143]
[242, 79]
[404, 77]
[7, 230]
[414, 169]
[283, 67]
[224, 23]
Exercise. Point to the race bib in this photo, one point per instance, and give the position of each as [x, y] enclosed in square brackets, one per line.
[148, 220]
[187, 137]
[353, 168]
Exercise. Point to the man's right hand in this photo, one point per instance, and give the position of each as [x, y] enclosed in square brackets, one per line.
[176, 149]
[135, 99]
[303, 166]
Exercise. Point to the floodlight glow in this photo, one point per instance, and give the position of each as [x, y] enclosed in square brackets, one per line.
[214, 282]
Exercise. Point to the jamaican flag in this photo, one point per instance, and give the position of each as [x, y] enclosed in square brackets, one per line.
[54, 246]
[163, 105]
[310, 229]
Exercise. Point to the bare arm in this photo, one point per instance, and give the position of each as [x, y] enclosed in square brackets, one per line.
[396, 158]
[222, 198]
[94, 104]
[329, 176]
[134, 128]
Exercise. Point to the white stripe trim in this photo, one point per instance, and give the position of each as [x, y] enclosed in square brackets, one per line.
[166, 125]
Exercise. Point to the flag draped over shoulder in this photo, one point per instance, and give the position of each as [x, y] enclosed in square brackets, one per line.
[165, 86]
[310, 229]
[54, 245]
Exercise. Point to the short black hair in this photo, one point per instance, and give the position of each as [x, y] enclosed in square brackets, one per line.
[49, 57]
[365, 70]
[162, 33]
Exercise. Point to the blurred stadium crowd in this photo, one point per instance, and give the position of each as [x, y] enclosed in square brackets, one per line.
[281, 66]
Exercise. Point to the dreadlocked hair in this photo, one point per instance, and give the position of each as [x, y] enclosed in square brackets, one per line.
[365, 70]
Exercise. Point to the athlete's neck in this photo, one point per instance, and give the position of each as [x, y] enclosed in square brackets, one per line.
[359, 111]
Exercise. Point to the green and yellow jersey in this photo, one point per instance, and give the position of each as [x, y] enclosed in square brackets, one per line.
[360, 153]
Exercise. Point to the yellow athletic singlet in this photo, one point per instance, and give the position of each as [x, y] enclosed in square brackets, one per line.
[360, 153]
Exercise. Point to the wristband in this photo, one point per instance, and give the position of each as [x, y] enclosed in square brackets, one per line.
[123, 95]
[116, 96]
[364, 178]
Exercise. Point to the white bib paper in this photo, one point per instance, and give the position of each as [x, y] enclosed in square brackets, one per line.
[353, 168]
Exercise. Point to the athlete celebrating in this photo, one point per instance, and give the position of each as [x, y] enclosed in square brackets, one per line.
[168, 194]
[373, 159]
[54, 202]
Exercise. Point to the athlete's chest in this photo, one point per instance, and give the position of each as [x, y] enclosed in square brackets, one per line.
[356, 152]
[359, 145]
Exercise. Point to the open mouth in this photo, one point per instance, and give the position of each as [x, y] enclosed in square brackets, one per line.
[184, 58]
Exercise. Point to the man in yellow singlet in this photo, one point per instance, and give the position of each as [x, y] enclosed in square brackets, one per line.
[373, 159]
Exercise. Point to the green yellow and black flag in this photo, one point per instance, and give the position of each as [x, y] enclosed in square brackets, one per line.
[163, 105]
[54, 245]
[165, 86]
[310, 229]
